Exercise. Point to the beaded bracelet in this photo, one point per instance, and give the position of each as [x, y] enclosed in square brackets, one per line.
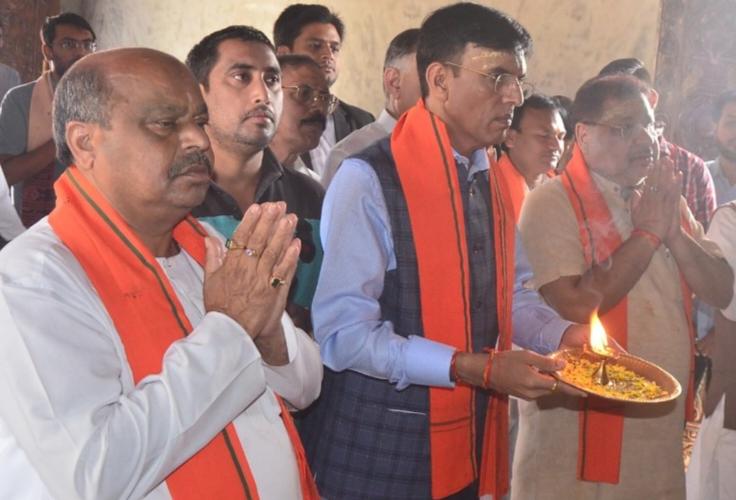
[649, 236]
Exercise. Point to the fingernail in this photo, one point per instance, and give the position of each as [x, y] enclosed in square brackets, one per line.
[253, 209]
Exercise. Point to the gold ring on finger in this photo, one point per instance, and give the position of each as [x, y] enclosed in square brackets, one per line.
[554, 386]
[234, 245]
[277, 282]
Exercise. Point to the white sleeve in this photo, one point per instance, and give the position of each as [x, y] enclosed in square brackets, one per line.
[68, 396]
[722, 231]
[10, 224]
[300, 380]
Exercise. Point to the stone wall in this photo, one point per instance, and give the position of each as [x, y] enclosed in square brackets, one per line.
[573, 38]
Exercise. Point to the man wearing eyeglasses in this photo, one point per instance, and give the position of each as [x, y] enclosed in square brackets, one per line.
[315, 31]
[27, 151]
[697, 182]
[241, 82]
[612, 234]
[307, 104]
[421, 278]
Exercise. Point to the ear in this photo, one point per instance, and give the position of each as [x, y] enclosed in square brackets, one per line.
[653, 98]
[47, 54]
[80, 139]
[510, 140]
[581, 135]
[392, 81]
[282, 50]
[437, 76]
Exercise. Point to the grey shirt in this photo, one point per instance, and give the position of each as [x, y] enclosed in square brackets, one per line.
[9, 78]
[14, 111]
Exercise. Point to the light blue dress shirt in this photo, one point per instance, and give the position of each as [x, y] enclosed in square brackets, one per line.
[358, 251]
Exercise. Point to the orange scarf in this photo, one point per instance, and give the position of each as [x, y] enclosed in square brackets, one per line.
[515, 183]
[602, 422]
[428, 175]
[148, 318]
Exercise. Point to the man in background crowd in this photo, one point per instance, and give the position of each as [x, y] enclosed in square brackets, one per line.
[26, 147]
[401, 91]
[240, 79]
[533, 146]
[307, 104]
[723, 168]
[315, 31]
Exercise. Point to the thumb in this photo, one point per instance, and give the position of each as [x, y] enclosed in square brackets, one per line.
[214, 255]
[544, 363]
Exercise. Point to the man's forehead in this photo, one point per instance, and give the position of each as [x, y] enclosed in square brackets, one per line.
[491, 60]
[320, 32]
[149, 92]
[234, 52]
[71, 31]
[630, 109]
[543, 117]
[305, 74]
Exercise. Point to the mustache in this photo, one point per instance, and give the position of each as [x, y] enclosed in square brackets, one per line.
[317, 118]
[189, 162]
[259, 110]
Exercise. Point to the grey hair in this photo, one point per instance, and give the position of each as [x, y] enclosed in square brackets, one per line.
[82, 95]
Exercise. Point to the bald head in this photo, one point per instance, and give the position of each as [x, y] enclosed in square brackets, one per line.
[132, 122]
[88, 92]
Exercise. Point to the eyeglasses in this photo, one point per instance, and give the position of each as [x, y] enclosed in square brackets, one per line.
[305, 94]
[505, 84]
[71, 44]
[626, 132]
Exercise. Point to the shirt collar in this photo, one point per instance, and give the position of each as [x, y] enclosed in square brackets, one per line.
[478, 162]
[386, 121]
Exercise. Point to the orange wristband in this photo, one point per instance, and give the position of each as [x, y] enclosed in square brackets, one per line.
[649, 236]
[487, 369]
[453, 367]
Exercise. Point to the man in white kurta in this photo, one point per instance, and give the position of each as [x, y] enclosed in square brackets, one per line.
[710, 474]
[73, 423]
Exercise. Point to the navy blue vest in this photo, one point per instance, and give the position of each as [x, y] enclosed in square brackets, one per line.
[363, 438]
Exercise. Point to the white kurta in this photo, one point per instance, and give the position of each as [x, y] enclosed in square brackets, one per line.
[74, 425]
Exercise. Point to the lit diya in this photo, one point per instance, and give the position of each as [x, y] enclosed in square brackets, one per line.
[598, 369]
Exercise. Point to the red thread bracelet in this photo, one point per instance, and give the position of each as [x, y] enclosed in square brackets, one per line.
[649, 236]
[453, 367]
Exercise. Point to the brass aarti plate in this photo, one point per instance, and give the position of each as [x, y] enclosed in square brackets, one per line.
[623, 387]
